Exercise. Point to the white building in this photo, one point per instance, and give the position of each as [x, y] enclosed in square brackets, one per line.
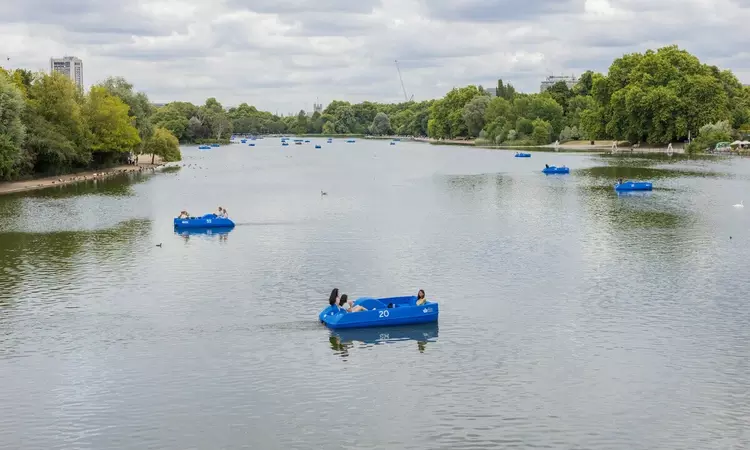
[70, 66]
[552, 80]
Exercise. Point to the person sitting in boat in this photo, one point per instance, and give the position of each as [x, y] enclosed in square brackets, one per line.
[619, 181]
[348, 306]
[546, 166]
[224, 214]
[183, 215]
[421, 300]
[219, 212]
[333, 299]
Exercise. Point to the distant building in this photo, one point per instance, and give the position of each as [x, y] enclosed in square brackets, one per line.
[552, 80]
[492, 91]
[317, 108]
[70, 66]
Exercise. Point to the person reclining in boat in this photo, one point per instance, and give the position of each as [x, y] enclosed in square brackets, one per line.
[219, 212]
[333, 299]
[183, 215]
[421, 300]
[349, 306]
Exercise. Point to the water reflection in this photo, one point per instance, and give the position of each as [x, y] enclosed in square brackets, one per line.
[28, 256]
[639, 172]
[342, 341]
[221, 233]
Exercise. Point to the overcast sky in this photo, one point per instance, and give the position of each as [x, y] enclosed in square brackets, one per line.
[282, 54]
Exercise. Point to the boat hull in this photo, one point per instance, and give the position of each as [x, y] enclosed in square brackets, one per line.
[552, 170]
[523, 155]
[403, 312]
[633, 186]
[207, 221]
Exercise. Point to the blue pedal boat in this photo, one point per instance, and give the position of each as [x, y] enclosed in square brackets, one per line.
[556, 170]
[523, 155]
[204, 147]
[381, 312]
[206, 221]
[633, 186]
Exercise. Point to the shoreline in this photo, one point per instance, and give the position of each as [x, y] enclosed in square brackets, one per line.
[11, 187]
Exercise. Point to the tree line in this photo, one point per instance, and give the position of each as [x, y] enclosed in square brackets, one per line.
[655, 97]
[48, 126]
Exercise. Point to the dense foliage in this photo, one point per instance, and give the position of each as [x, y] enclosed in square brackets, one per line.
[48, 126]
[656, 98]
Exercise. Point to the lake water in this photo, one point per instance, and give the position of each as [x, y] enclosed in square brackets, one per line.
[571, 317]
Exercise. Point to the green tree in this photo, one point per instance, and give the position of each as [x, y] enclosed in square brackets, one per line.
[710, 135]
[139, 106]
[170, 117]
[12, 130]
[542, 132]
[381, 124]
[112, 130]
[561, 94]
[474, 112]
[506, 91]
[446, 115]
[524, 127]
[163, 144]
[58, 137]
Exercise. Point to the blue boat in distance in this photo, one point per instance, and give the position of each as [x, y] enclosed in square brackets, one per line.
[350, 141]
[205, 221]
[243, 140]
[381, 312]
[393, 143]
[523, 155]
[556, 170]
[633, 186]
[317, 146]
[285, 144]
[204, 147]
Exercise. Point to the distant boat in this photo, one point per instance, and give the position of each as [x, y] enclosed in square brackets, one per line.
[214, 145]
[393, 143]
[204, 147]
[285, 144]
[307, 141]
[350, 141]
[317, 146]
[243, 140]
[251, 144]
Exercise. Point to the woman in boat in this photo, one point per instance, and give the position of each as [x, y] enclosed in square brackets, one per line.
[219, 212]
[421, 300]
[344, 303]
[348, 306]
[334, 297]
[183, 215]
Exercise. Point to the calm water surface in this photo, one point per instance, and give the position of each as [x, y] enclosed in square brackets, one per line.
[571, 317]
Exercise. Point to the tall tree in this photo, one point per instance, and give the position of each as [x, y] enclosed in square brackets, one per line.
[12, 130]
[112, 129]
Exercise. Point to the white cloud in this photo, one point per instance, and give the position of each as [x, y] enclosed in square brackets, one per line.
[283, 54]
